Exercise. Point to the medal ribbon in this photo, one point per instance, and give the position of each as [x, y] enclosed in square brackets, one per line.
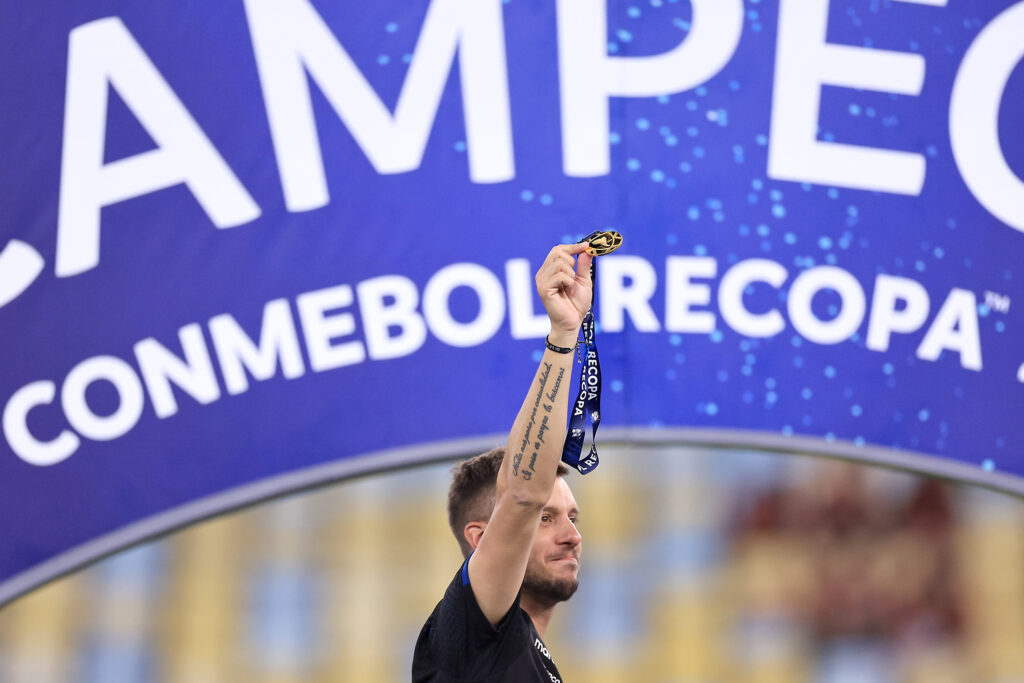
[588, 400]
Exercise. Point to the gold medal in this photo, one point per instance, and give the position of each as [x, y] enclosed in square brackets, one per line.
[601, 242]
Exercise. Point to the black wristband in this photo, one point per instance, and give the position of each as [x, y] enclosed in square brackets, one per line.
[557, 349]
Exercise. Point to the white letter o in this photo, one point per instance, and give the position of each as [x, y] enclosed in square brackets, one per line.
[438, 292]
[129, 391]
[851, 311]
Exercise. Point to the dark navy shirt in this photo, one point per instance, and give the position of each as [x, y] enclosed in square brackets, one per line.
[458, 643]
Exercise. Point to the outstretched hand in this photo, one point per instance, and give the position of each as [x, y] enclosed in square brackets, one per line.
[566, 290]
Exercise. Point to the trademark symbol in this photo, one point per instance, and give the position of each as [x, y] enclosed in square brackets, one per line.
[999, 303]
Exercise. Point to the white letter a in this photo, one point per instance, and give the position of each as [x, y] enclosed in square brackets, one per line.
[103, 52]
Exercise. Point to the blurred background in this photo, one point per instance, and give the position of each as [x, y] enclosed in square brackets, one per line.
[699, 565]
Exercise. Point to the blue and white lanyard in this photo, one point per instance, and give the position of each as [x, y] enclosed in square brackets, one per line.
[588, 400]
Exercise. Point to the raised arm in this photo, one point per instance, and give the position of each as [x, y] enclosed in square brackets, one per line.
[528, 472]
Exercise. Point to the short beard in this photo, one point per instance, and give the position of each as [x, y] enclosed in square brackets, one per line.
[548, 590]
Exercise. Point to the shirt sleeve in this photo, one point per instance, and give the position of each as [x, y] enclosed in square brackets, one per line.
[464, 643]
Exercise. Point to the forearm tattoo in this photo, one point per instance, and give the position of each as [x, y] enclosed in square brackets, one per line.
[529, 444]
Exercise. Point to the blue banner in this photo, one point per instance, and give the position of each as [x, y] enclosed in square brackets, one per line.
[252, 245]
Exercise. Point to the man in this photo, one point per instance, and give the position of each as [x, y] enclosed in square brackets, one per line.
[515, 518]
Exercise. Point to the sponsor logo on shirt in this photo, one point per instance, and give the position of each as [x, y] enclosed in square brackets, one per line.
[544, 651]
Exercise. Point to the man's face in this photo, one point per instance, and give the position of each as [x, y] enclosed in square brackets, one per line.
[552, 573]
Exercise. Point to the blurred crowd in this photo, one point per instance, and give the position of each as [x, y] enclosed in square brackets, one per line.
[699, 566]
[875, 576]
[865, 566]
